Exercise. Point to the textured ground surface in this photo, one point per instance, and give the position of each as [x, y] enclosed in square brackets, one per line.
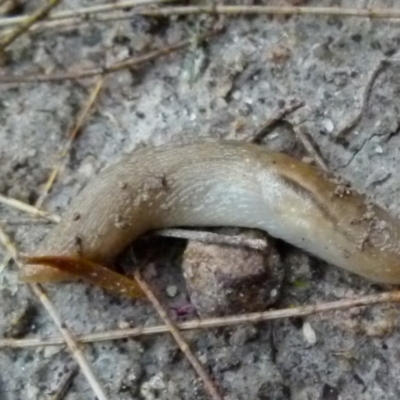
[227, 89]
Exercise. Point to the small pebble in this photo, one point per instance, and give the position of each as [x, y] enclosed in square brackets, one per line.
[309, 334]
[32, 153]
[237, 95]
[273, 135]
[378, 149]
[50, 351]
[223, 280]
[123, 325]
[151, 389]
[203, 358]
[328, 125]
[172, 290]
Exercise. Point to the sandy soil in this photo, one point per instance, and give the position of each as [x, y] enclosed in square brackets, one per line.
[226, 89]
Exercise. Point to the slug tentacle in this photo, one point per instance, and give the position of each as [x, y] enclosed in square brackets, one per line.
[224, 184]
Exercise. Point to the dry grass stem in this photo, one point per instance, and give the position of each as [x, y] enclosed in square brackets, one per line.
[7, 243]
[301, 136]
[70, 341]
[310, 148]
[274, 120]
[82, 117]
[21, 206]
[208, 383]
[65, 333]
[37, 289]
[131, 62]
[89, 14]
[213, 238]
[4, 263]
[212, 323]
[83, 13]
[26, 24]
[272, 10]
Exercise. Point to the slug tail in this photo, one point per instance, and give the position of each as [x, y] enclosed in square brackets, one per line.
[67, 268]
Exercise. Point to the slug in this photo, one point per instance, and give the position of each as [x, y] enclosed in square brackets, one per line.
[223, 184]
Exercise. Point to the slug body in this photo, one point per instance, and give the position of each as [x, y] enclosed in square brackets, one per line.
[225, 184]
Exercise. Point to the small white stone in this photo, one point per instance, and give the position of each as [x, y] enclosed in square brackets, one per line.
[123, 324]
[150, 388]
[309, 334]
[203, 358]
[132, 377]
[50, 351]
[32, 153]
[379, 149]
[221, 103]
[307, 160]
[171, 290]
[328, 125]
[157, 382]
[274, 293]
[273, 135]
[237, 95]
[86, 169]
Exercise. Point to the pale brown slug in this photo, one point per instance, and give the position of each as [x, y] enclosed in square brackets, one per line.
[224, 184]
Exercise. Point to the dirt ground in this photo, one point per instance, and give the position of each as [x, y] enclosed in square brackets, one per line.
[226, 89]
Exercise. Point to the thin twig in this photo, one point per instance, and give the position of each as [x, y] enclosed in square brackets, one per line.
[8, 243]
[341, 135]
[74, 22]
[64, 384]
[131, 62]
[82, 117]
[26, 24]
[24, 221]
[301, 136]
[213, 238]
[82, 15]
[21, 206]
[70, 341]
[35, 210]
[84, 12]
[271, 10]
[274, 120]
[52, 311]
[208, 383]
[37, 289]
[310, 148]
[4, 263]
[213, 323]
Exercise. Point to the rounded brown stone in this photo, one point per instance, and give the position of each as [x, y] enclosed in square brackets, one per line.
[224, 279]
